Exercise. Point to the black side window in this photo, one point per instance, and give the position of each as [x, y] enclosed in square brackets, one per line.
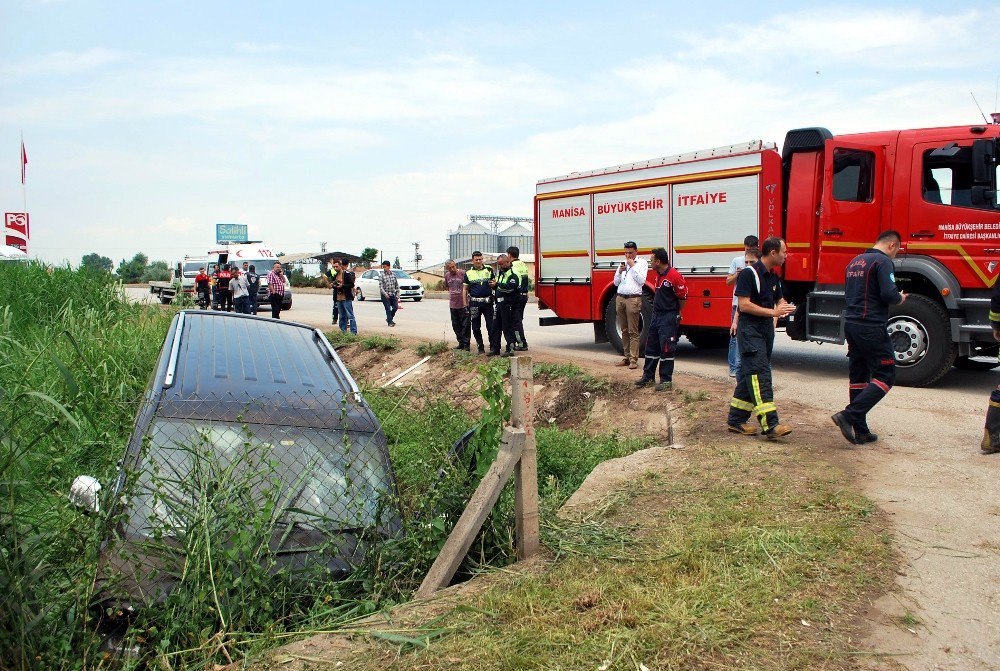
[947, 178]
[853, 175]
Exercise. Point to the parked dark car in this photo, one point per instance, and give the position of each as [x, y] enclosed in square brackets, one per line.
[252, 395]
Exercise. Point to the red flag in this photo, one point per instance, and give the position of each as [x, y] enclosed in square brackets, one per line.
[24, 161]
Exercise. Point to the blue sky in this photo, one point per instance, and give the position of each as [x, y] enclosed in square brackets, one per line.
[386, 124]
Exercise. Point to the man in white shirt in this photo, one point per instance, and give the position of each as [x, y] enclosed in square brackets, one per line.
[738, 264]
[630, 277]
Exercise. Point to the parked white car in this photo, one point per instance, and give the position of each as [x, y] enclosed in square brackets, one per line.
[367, 286]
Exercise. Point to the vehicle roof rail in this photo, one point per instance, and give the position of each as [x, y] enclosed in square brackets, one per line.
[175, 349]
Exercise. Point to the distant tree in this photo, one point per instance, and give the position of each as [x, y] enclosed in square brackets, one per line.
[157, 271]
[396, 263]
[369, 254]
[95, 261]
[131, 272]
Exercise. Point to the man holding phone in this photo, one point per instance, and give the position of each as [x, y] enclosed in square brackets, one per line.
[630, 277]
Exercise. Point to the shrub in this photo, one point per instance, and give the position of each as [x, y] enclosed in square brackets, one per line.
[432, 348]
[380, 343]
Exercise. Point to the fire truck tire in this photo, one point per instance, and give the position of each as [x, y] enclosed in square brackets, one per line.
[611, 323]
[709, 338]
[921, 337]
[979, 363]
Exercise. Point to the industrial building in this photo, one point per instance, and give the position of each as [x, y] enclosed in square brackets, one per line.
[475, 235]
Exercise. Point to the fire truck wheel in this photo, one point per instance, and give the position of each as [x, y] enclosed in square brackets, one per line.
[921, 337]
[978, 363]
[611, 323]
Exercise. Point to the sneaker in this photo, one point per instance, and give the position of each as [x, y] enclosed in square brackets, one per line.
[665, 386]
[493, 353]
[642, 382]
[742, 429]
[845, 427]
[392, 324]
[732, 373]
[633, 366]
[779, 431]
[520, 348]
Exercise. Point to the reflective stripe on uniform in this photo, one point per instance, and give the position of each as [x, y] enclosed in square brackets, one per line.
[994, 404]
[741, 404]
[765, 408]
[994, 316]
[755, 385]
[881, 385]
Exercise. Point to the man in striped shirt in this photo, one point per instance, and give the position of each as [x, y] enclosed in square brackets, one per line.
[276, 289]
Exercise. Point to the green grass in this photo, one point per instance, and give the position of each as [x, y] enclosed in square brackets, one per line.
[380, 343]
[714, 566]
[338, 338]
[432, 348]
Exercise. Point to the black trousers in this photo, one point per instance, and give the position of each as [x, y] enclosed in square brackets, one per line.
[480, 311]
[519, 303]
[225, 299]
[661, 344]
[503, 323]
[460, 325]
[871, 368]
[754, 393]
[275, 300]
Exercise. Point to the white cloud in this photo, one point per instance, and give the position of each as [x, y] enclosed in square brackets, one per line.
[60, 63]
[259, 47]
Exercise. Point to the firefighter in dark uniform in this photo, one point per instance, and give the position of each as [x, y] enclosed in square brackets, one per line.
[521, 300]
[870, 288]
[991, 434]
[760, 303]
[477, 284]
[506, 287]
[671, 292]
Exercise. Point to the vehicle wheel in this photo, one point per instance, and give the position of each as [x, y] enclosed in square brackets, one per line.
[921, 338]
[709, 338]
[418, 299]
[286, 306]
[976, 364]
[360, 296]
[611, 323]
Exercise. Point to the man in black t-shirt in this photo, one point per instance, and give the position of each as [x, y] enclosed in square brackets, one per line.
[760, 303]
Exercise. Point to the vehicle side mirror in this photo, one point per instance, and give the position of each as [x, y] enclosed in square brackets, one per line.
[984, 162]
[84, 493]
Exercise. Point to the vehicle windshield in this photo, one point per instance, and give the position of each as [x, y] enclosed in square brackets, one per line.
[324, 479]
[261, 266]
[191, 268]
[402, 274]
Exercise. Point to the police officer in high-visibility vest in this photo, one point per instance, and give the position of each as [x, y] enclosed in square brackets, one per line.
[760, 301]
[521, 300]
[480, 301]
[870, 288]
[991, 434]
[506, 287]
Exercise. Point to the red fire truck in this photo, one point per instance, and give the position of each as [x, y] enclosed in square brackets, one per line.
[828, 197]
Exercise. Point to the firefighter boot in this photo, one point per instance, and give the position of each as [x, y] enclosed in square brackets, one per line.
[991, 434]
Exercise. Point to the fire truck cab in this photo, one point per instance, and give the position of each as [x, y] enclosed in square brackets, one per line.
[829, 197]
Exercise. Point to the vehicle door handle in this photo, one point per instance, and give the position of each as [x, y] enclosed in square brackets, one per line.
[922, 234]
[833, 231]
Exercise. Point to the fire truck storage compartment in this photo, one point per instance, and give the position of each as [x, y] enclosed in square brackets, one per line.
[638, 215]
[710, 220]
[565, 253]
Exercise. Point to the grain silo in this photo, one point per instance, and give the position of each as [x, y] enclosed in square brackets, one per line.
[469, 238]
[518, 236]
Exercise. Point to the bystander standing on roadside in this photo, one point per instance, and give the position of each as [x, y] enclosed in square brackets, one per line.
[214, 282]
[520, 268]
[241, 292]
[738, 264]
[342, 281]
[670, 294]
[454, 280]
[630, 277]
[253, 284]
[276, 289]
[201, 287]
[479, 297]
[388, 287]
[869, 290]
[761, 300]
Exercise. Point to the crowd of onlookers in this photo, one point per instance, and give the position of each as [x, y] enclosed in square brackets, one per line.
[230, 288]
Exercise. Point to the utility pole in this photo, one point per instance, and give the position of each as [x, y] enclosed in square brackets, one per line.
[322, 247]
[416, 256]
